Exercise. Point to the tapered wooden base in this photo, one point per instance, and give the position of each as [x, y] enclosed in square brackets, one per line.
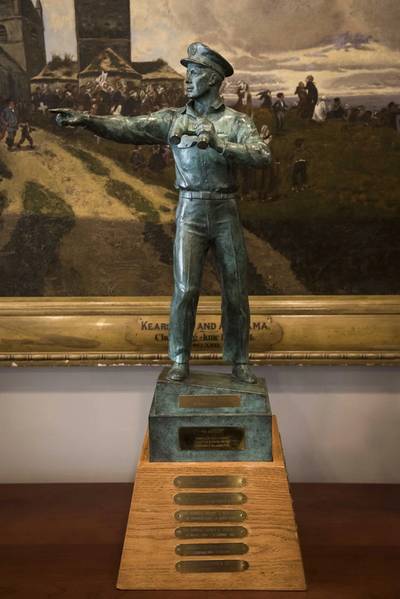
[266, 557]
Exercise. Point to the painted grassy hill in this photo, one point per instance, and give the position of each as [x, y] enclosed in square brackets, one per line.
[77, 219]
[341, 234]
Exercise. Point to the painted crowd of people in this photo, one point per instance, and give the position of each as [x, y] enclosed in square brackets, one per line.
[103, 97]
[315, 108]
[319, 108]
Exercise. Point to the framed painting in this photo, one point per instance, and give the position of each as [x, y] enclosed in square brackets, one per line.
[87, 225]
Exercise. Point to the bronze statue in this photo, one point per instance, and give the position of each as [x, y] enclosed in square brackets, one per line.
[209, 141]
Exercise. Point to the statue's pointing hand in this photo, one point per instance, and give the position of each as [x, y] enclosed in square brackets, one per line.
[67, 117]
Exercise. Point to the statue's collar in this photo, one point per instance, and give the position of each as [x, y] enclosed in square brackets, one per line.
[216, 105]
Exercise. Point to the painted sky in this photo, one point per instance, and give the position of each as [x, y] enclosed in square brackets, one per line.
[350, 46]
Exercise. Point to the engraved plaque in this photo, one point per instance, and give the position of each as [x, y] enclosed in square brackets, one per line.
[210, 438]
[210, 498]
[218, 565]
[209, 401]
[204, 482]
[212, 549]
[210, 516]
[211, 532]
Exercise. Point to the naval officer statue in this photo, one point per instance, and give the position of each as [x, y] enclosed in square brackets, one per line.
[209, 141]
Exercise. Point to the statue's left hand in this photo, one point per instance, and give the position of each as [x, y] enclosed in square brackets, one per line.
[204, 127]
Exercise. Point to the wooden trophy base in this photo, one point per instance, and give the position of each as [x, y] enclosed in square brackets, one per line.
[238, 534]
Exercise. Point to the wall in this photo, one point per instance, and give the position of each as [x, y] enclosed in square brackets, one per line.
[14, 81]
[85, 425]
[26, 44]
[14, 45]
[34, 42]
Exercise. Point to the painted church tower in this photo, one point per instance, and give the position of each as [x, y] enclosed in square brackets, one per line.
[22, 33]
[102, 24]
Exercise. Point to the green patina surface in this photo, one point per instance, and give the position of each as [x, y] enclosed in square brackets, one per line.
[168, 418]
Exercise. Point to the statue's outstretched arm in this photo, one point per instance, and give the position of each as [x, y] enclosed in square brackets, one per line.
[144, 129]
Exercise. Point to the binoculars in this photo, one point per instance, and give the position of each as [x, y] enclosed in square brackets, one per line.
[182, 127]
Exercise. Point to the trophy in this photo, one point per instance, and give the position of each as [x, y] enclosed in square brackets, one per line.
[211, 507]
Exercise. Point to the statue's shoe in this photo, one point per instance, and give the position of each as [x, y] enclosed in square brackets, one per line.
[243, 373]
[178, 372]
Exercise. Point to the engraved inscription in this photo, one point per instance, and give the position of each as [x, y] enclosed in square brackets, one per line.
[200, 438]
[209, 401]
[195, 549]
[153, 330]
[204, 482]
[218, 565]
[211, 516]
[211, 532]
[210, 498]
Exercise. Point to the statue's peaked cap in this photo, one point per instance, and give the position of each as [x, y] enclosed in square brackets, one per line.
[201, 54]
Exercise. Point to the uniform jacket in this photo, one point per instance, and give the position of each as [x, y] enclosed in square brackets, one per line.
[196, 169]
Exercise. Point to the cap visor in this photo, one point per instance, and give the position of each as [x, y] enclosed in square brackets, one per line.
[227, 73]
[186, 61]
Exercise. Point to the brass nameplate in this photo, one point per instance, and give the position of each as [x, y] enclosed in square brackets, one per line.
[217, 565]
[195, 549]
[204, 482]
[211, 532]
[210, 498]
[201, 438]
[210, 516]
[209, 401]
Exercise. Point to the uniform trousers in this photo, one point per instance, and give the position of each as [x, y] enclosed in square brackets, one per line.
[202, 225]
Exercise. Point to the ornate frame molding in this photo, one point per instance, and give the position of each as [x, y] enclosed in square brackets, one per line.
[123, 331]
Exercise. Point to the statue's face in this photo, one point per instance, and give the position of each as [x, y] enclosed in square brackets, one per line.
[198, 81]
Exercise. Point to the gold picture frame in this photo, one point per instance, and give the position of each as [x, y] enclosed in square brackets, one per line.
[133, 330]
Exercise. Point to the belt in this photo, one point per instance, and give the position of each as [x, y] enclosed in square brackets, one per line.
[208, 195]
